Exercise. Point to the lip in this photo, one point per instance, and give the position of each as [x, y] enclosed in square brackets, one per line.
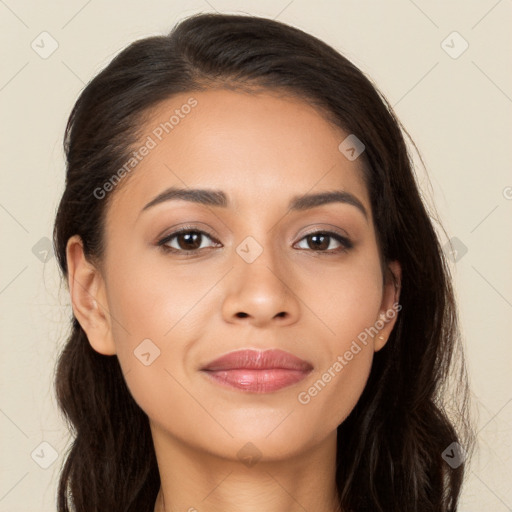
[258, 371]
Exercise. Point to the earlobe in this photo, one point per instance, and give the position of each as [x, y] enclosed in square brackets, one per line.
[88, 298]
[390, 306]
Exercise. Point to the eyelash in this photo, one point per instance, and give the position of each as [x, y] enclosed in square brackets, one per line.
[346, 244]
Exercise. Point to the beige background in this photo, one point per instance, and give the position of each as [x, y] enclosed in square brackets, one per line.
[458, 111]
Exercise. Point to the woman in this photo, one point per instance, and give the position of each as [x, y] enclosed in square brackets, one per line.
[263, 318]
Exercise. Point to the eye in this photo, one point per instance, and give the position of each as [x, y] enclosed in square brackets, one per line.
[320, 241]
[185, 241]
[189, 241]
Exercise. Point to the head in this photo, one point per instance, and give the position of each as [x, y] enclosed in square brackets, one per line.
[270, 123]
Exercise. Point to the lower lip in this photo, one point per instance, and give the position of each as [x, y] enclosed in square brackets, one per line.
[257, 381]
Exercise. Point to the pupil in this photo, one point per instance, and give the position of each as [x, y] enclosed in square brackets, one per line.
[322, 244]
[191, 238]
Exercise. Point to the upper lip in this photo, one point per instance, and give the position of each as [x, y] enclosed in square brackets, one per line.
[258, 360]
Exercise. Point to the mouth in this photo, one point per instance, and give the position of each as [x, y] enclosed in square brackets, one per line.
[256, 371]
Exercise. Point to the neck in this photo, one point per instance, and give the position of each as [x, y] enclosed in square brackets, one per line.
[201, 482]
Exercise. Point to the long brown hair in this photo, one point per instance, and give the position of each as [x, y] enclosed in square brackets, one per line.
[390, 448]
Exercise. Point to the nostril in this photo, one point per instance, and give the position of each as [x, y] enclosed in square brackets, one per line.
[241, 314]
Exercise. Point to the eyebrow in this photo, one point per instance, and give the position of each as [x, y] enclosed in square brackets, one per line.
[219, 198]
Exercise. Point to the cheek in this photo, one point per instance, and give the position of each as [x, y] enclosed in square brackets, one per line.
[153, 301]
[347, 298]
[155, 317]
[335, 388]
[348, 304]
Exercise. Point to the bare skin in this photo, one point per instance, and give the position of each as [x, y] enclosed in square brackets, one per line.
[311, 300]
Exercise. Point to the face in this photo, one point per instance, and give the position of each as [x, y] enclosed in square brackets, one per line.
[258, 267]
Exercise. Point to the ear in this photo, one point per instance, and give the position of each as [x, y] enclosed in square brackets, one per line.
[390, 306]
[88, 298]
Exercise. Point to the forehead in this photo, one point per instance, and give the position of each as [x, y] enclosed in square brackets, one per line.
[260, 148]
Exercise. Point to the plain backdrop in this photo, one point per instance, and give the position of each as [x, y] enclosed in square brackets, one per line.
[444, 66]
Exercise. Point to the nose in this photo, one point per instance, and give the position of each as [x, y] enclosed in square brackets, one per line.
[261, 293]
